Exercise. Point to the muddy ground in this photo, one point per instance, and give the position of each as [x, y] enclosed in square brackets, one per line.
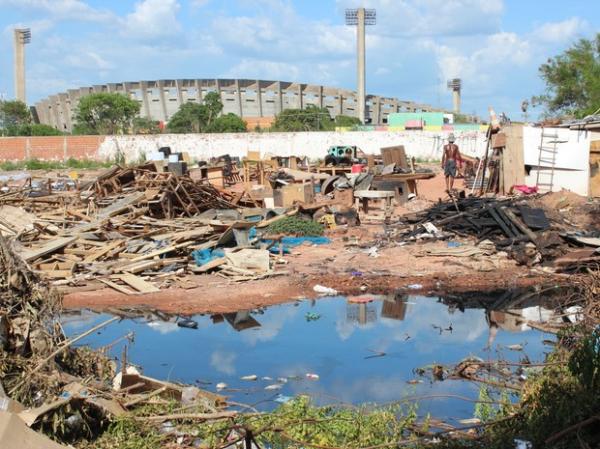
[344, 265]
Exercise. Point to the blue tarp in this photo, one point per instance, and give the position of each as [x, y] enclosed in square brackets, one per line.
[203, 256]
[290, 242]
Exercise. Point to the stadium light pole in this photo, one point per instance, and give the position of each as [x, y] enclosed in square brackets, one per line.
[361, 17]
[22, 37]
[455, 85]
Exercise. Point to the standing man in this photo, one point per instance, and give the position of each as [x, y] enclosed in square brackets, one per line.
[449, 159]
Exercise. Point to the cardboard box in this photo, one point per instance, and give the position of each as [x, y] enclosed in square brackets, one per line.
[293, 193]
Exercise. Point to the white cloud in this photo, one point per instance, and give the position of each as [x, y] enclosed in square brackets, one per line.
[432, 17]
[558, 32]
[495, 56]
[199, 3]
[152, 19]
[223, 362]
[261, 69]
[88, 60]
[61, 9]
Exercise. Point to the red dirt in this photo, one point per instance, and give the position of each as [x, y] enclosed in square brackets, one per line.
[346, 268]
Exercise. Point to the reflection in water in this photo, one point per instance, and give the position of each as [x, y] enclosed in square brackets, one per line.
[394, 306]
[279, 342]
[241, 320]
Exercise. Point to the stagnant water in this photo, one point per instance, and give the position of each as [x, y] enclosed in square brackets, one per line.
[339, 340]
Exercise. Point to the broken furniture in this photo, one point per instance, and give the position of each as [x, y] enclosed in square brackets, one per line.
[363, 197]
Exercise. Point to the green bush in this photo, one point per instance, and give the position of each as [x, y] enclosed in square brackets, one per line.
[297, 227]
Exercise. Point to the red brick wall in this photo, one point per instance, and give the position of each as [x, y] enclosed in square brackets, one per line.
[49, 147]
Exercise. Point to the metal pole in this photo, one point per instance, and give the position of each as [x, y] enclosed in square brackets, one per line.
[360, 33]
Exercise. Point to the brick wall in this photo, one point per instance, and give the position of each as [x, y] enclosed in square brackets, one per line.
[49, 147]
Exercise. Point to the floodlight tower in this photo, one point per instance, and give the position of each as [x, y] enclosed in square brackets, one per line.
[361, 17]
[455, 86]
[22, 37]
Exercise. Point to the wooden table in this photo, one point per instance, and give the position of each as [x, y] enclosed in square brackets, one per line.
[363, 196]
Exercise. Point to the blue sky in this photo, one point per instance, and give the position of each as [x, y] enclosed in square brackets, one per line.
[495, 46]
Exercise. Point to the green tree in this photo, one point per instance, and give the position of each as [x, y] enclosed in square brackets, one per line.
[190, 118]
[213, 106]
[312, 118]
[14, 113]
[346, 121]
[145, 125]
[205, 117]
[573, 80]
[105, 113]
[228, 123]
[35, 129]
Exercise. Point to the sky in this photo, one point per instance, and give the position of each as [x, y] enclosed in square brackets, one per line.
[495, 46]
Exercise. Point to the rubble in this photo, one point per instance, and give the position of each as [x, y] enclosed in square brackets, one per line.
[511, 224]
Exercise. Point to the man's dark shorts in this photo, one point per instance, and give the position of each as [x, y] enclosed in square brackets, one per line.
[450, 168]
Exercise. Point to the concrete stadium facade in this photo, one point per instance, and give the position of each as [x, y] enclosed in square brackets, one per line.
[160, 99]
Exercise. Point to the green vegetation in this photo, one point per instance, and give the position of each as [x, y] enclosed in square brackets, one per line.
[14, 113]
[105, 113]
[312, 118]
[16, 120]
[145, 125]
[228, 123]
[36, 164]
[461, 119]
[573, 80]
[294, 422]
[296, 226]
[346, 121]
[205, 118]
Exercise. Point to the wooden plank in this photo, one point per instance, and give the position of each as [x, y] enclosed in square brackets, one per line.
[144, 265]
[138, 283]
[52, 246]
[159, 252]
[108, 248]
[215, 263]
[57, 274]
[513, 159]
[79, 251]
[394, 155]
[117, 287]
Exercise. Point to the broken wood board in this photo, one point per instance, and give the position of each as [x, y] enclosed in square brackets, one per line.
[117, 287]
[162, 251]
[52, 246]
[215, 263]
[137, 283]
[14, 220]
[103, 251]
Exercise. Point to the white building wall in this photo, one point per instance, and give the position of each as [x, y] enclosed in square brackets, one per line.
[572, 168]
[420, 144]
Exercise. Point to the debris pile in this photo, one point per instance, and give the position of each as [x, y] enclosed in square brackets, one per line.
[513, 225]
[134, 230]
[71, 392]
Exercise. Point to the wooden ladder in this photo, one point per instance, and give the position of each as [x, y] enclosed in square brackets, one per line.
[544, 180]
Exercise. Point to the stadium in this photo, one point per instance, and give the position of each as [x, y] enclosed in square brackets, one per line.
[256, 101]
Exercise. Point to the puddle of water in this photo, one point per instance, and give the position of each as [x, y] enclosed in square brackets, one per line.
[334, 338]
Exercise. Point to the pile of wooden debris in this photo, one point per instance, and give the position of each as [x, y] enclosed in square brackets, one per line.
[513, 225]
